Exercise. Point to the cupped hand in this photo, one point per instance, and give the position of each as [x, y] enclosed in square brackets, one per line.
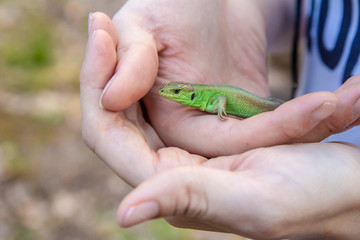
[124, 140]
[133, 148]
[129, 62]
[301, 190]
[216, 42]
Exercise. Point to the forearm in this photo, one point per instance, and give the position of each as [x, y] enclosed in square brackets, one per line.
[279, 17]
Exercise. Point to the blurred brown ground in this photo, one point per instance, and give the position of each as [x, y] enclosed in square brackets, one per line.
[51, 185]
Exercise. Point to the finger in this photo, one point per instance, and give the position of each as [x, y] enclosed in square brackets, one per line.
[113, 138]
[98, 67]
[293, 119]
[345, 116]
[191, 193]
[136, 67]
[99, 20]
[288, 122]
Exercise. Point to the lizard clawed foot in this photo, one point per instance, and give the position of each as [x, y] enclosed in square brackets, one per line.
[221, 114]
[221, 108]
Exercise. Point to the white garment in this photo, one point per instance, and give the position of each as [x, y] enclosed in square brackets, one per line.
[332, 48]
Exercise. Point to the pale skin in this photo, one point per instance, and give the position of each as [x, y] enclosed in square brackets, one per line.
[135, 151]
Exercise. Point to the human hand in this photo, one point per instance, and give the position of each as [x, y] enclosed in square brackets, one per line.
[346, 115]
[110, 130]
[172, 40]
[303, 190]
[123, 139]
[128, 143]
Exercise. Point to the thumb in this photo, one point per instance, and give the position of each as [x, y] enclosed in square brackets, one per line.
[197, 197]
[137, 65]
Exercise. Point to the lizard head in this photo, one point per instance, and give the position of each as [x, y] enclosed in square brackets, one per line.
[180, 92]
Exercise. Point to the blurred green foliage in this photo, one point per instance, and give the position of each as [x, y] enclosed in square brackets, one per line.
[25, 233]
[30, 46]
[15, 164]
[157, 229]
[27, 52]
[163, 231]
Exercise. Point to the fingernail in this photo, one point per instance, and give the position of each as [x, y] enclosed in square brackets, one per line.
[103, 92]
[356, 108]
[140, 213]
[90, 21]
[322, 112]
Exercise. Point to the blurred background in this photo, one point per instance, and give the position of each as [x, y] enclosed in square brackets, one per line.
[51, 185]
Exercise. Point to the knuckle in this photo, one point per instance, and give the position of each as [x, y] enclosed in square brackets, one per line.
[339, 122]
[192, 196]
[353, 80]
[334, 126]
[273, 222]
[287, 129]
[292, 131]
[350, 89]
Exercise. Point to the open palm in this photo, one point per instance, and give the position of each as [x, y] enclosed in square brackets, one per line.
[267, 193]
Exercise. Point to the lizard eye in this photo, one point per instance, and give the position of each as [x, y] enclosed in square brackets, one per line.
[176, 91]
[192, 96]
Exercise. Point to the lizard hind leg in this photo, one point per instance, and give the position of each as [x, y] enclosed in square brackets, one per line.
[221, 108]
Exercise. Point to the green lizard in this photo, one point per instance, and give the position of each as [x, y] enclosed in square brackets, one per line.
[220, 99]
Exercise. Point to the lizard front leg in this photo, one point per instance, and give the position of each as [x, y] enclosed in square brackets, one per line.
[221, 107]
[217, 104]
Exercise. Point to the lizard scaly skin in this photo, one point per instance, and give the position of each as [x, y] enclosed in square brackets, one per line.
[219, 99]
